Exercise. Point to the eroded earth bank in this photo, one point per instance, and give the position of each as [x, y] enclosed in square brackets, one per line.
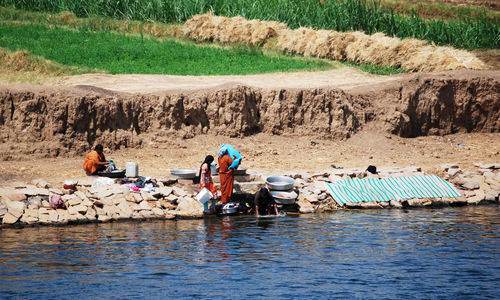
[445, 123]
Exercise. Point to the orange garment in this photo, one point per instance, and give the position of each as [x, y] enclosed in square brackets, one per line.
[226, 178]
[209, 184]
[91, 163]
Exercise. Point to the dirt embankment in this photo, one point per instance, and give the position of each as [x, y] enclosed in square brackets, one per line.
[50, 121]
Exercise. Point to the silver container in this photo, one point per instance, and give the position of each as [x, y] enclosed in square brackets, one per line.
[284, 197]
[183, 173]
[229, 208]
[280, 183]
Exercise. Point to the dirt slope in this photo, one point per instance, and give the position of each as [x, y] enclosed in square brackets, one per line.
[298, 120]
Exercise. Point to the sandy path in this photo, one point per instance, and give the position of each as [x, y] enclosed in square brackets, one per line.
[345, 78]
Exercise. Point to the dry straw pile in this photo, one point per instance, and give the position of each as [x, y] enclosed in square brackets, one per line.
[208, 27]
[409, 54]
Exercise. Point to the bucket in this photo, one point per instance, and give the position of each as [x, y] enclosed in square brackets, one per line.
[131, 169]
[204, 195]
[213, 169]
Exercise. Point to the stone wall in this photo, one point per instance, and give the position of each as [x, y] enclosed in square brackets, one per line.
[27, 204]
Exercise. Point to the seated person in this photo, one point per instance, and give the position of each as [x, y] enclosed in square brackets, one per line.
[95, 161]
[264, 203]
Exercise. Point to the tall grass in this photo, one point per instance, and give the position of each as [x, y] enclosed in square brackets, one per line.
[128, 54]
[341, 15]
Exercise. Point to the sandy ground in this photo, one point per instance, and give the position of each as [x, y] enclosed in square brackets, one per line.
[345, 78]
[276, 154]
[279, 154]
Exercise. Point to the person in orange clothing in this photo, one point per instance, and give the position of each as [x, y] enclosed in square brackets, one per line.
[207, 182]
[226, 175]
[95, 160]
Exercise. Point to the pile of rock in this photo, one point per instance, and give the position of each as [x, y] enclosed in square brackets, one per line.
[29, 204]
[477, 187]
[481, 185]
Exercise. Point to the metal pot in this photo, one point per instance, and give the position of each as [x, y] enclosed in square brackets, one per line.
[184, 173]
[230, 208]
[284, 197]
[280, 183]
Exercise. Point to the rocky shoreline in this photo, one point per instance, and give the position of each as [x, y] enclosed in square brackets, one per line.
[28, 204]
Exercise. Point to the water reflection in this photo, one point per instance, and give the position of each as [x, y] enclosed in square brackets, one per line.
[452, 252]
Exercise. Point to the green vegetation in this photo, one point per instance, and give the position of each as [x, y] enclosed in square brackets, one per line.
[128, 54]
[341, 15]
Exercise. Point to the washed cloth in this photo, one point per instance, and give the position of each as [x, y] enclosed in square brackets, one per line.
[235, 155]
[387, 189]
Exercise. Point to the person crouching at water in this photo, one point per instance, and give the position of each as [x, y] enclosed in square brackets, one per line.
[207, 182]
[226, 175]
[264, 203]
[95, 161]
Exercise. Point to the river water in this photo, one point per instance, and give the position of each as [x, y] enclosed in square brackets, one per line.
[449, 253]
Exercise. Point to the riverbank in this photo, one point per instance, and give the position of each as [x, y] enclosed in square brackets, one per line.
[28, 204]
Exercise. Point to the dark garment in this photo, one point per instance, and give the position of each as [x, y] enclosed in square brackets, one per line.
[264, 201]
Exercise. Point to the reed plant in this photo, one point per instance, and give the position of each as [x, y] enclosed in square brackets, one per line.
[341, 15]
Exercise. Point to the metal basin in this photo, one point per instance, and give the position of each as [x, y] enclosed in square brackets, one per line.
[284, 197]
[184, 173]
[280, 183]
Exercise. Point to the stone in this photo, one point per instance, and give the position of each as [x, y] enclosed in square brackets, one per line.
[56, 191]
[43, 218]
[137, 197]
[157, 211]
[82, 209]
[370, 205]
[91, 213]
[316, 191]
[63, 216]
[87, 202]
[117, 199]
[384, 204]
[333, 178]
[469, 184]
[491, 180]
[107, 201]
[41, 183]
[353, 205]
[417, 202]
[9, 218]
[80, 195]
[395, 204]
[126, 209]
[305, 207]
[110, 210]
[248, 187]
[28, 219]
[162, 192]
[189, 207]
[147, 196]
[446, 167]
[100, 211]
[179, 192]
[85, 181]
[311, 198]
[45, 203]
[36, 201]
[453, 171]
[459, 201]
[43, 211]
[144, 205]
[53, 216]
[147, 213]
[16, 197]
[103, 218]
[484, 166]
[172, 198]
[18, 185]
[73, 200]
[3, 209]
[322, 196]
[491, 196]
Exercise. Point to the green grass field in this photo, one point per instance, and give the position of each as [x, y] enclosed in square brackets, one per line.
[120, 54]
[342, 15]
